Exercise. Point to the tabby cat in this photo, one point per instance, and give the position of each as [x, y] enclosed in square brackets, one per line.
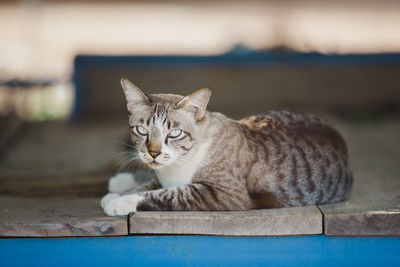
[205, 161]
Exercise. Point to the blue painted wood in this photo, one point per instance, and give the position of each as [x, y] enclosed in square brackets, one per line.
[253, 58]
[202, 251]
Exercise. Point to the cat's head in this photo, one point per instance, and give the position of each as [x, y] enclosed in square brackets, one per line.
[164, 127]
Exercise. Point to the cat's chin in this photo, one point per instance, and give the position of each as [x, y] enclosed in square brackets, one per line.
[155, 165]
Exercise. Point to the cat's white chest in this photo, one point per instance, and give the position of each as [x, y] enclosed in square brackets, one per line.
[176, 175]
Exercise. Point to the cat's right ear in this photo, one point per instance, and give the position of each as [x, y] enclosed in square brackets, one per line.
[196, 102]
[134, 95]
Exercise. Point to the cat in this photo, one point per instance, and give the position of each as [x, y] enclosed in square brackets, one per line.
[205, 161]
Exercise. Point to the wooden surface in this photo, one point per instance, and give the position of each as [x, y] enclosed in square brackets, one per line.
[63, 159]
[50, 217]
[374, 206]
[274, 222]
[67, 162]
[58, 149]
[79, 185]
[353, 219]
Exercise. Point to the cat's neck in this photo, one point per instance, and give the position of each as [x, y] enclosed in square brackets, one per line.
[177, 174]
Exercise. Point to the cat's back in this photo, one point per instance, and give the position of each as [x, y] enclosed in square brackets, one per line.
[303, 160]
[295, 127]
[280, 120]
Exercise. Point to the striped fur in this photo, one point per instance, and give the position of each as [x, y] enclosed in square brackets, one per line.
[271, 160]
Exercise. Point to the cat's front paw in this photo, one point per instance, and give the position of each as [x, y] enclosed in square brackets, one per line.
[107, 198]
[123, 205]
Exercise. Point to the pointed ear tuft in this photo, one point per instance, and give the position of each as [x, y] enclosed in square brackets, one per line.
[133, 94]
[196, 102]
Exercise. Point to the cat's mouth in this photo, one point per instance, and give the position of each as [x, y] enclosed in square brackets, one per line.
[155, 165]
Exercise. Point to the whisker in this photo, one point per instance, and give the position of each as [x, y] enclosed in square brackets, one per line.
[123, 143]
[127, 163]
[123, 158]
[181, 161]
[124, 155]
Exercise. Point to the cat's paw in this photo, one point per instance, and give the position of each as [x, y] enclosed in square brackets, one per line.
[121, 182]
[123, 205]
[107, 198]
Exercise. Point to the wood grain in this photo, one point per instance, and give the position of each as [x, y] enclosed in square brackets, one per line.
[50, 217]
[57, 149]
[82, 185]
[54, 159]
[273, 222]
[359, 221]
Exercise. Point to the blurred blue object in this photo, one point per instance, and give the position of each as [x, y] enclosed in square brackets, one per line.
[239, 57]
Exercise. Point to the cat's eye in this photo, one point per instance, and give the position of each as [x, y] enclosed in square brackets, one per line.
[175, 133]
[141, 130]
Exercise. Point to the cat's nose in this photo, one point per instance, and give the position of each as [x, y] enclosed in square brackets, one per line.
[154, 154]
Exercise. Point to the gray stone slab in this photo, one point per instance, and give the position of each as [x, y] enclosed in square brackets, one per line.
[374, 206]
[52, 217]
[273, 222]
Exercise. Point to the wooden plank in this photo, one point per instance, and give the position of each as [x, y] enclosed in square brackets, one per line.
[273, 222]
[354, 219]
[51, 217]
[189, 250]
[83, 185]
[57, 149]
[54, 159]
[374, 206]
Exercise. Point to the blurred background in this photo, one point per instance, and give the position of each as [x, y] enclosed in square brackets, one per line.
[63, 113]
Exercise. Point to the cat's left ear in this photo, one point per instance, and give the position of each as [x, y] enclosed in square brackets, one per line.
[196, 102]
[134, 95]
